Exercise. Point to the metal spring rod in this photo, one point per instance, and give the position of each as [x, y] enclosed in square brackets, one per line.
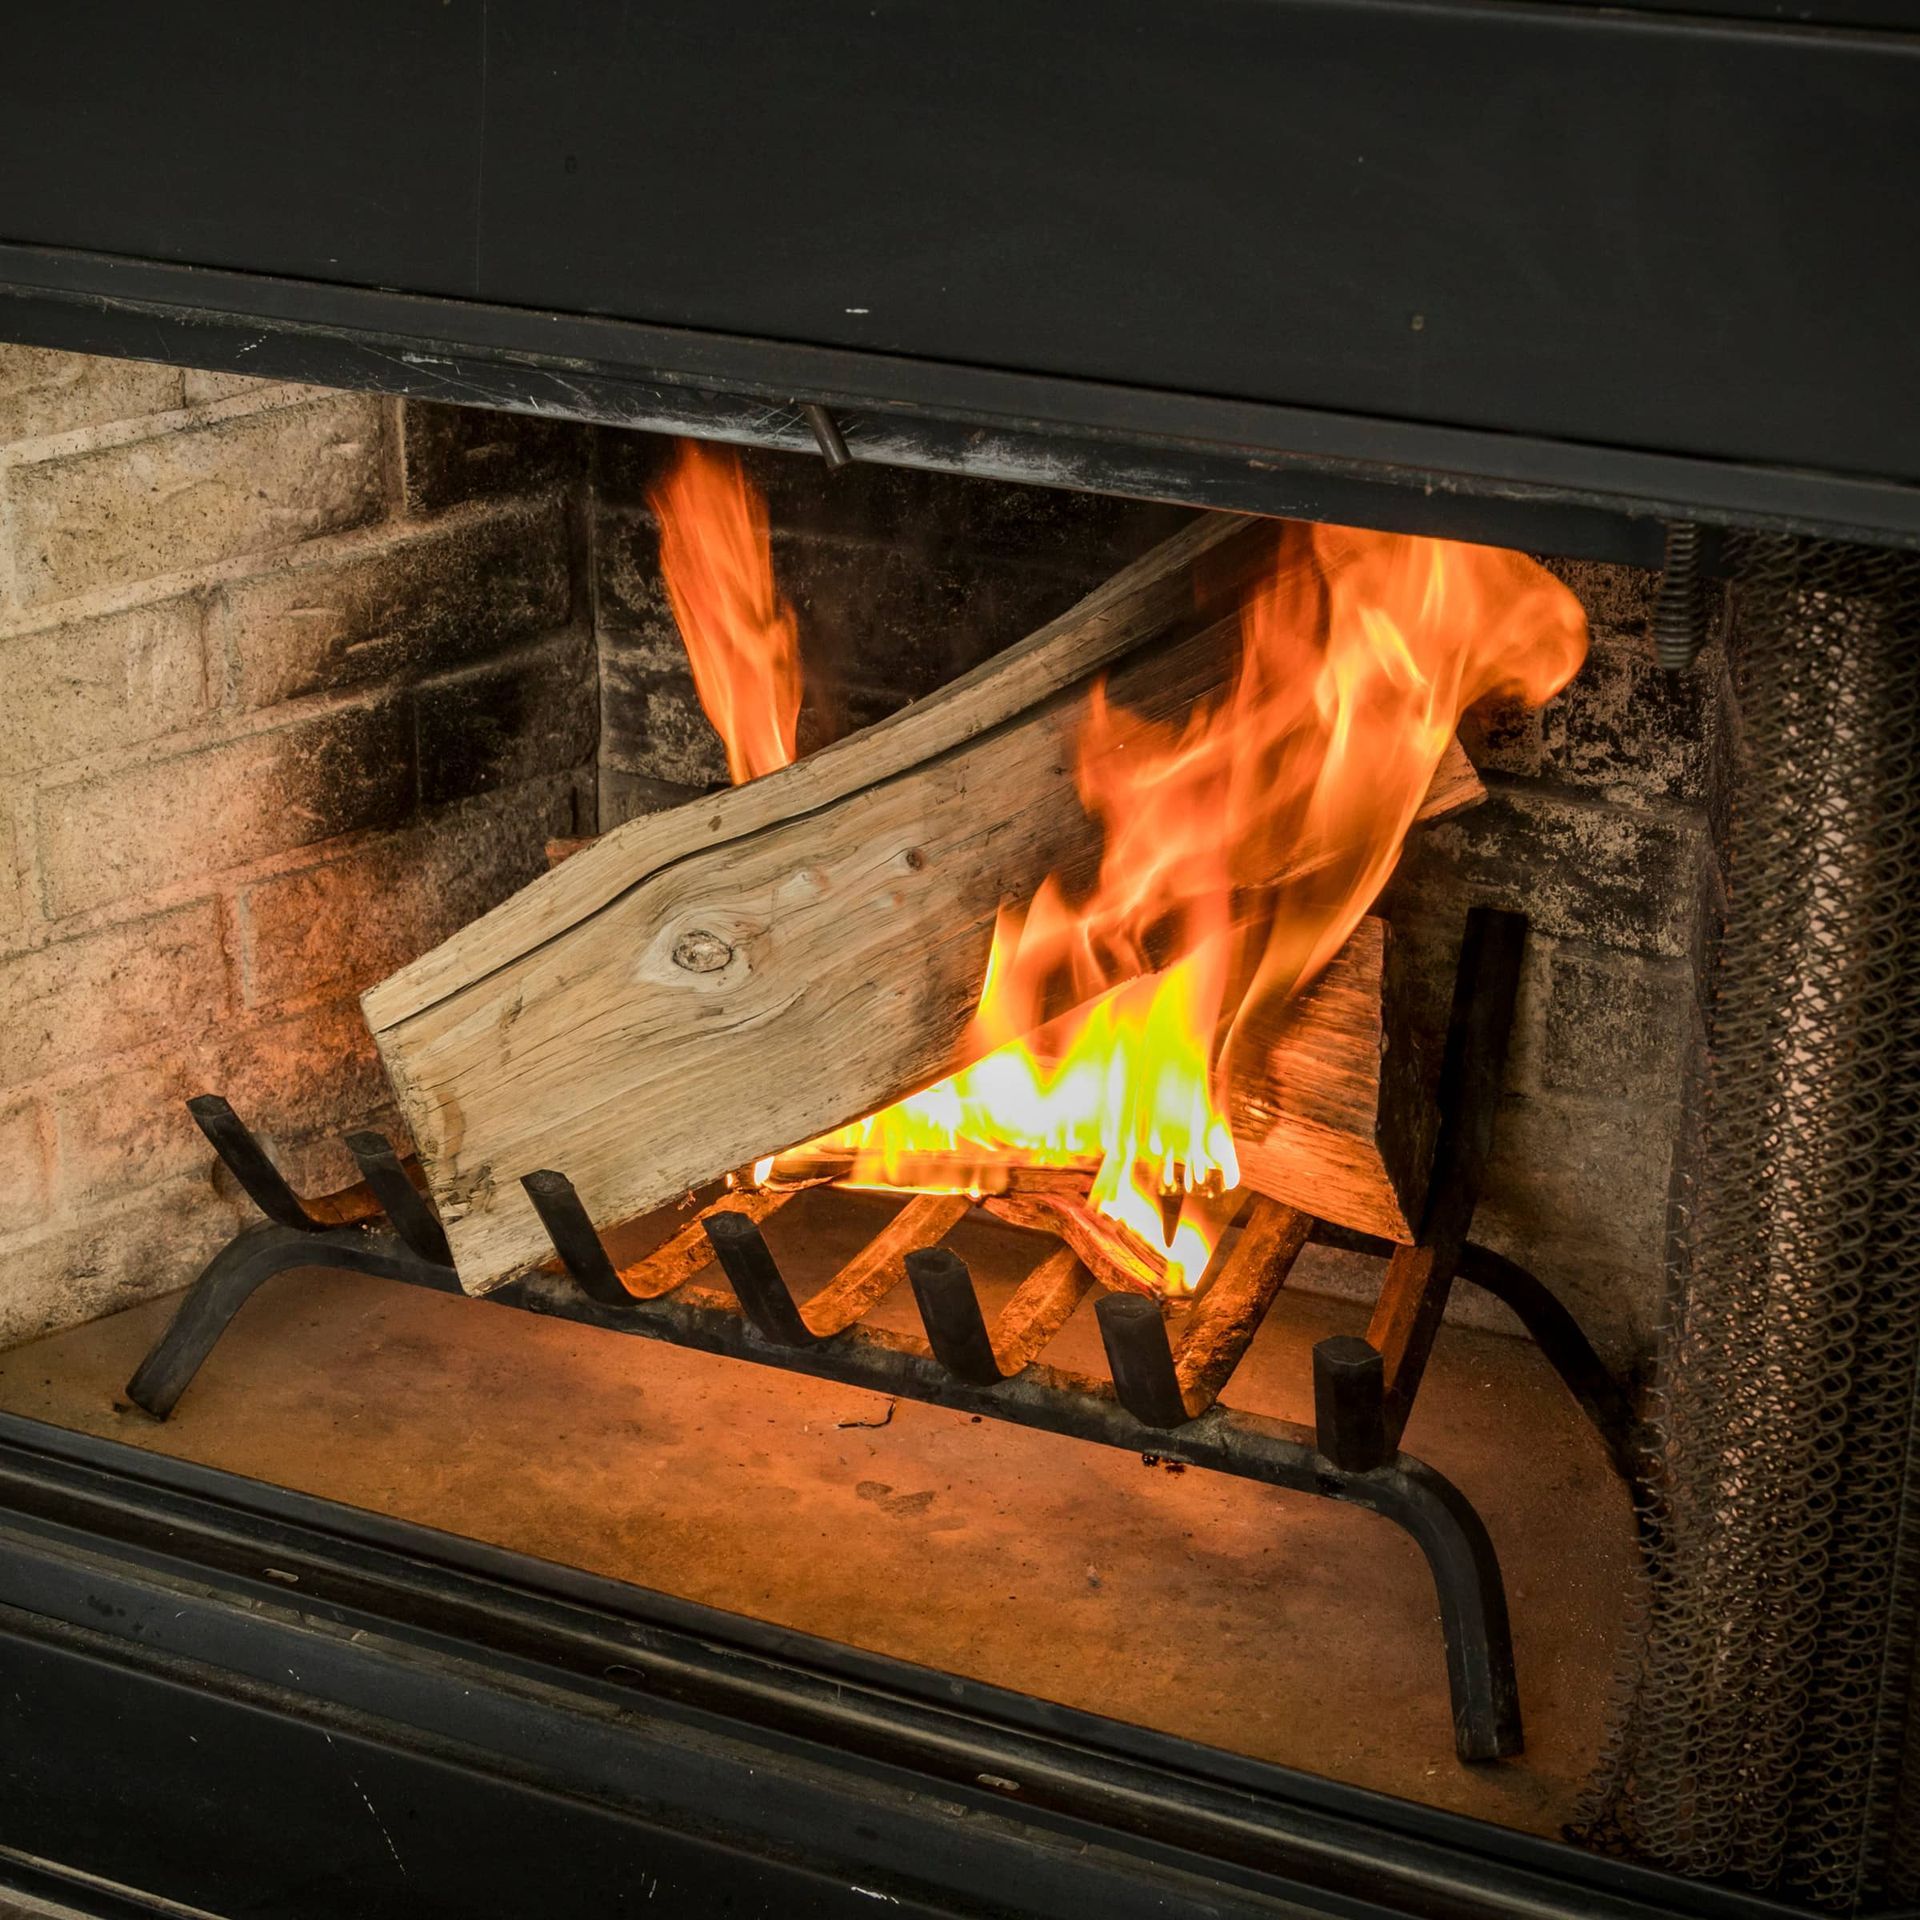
[826, 434]
[1680, 608]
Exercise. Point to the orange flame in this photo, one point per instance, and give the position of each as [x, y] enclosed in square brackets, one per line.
[740, 633]
[1241, 848]
[1248, 841]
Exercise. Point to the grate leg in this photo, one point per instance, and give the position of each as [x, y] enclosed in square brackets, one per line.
[232, 1277]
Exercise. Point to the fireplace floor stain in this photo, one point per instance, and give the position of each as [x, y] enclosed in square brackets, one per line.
[1277, 1626]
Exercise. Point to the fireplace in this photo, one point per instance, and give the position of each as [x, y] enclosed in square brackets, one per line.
[497, 1370]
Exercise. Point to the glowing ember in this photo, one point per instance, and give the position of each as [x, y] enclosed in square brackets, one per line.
[1241, 848]
[740, 634]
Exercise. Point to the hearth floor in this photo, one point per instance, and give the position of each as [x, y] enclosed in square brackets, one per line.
[1265, 1622]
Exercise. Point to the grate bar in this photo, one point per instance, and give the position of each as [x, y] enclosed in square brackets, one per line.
[950, 1312]
[1227, 1316]
[264, 1184]
[676, 1260]
[874, 1272]
[1042, 1305]
[403, 1203]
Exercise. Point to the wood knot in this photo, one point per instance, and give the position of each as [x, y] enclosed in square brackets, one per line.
[701, 952]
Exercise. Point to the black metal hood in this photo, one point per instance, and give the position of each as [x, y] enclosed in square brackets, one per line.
[1309, 255]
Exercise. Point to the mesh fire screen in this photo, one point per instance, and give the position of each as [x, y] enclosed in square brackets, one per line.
[1765, 1702]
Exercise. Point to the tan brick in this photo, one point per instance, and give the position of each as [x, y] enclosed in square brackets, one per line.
[42, 392]
[302, 1083]
[204, 387]
[63, 1276]
[23, 1165]
[118, 1132]
[72, 690]
[299, 1081]
[197, 813]
[193, 495]
[336, 929]
[13, 898]
[411, 602]
[110, 991]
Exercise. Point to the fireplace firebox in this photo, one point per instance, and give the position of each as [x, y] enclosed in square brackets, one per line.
[663, 678]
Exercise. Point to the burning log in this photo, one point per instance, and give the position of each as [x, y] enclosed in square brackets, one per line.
[704, 987]
[817, 1166]
[1331, 1101]
[1117, 1257]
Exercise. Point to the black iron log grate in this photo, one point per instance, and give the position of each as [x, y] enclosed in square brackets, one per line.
[1160, 1397]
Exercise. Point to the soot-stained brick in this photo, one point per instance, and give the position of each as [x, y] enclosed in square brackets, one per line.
[626, 796]
[336, 928]
[1577, 1193]
[876, 622]
[1628, 729]
[1616, 1026]
[1623, 729]
[533, 714]
[395, 609]
[194, 814]
[1579, 870]
[654, 726]
[907, 621]
[471, 453]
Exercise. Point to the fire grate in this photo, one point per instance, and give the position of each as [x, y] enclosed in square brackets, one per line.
[1161, 1398]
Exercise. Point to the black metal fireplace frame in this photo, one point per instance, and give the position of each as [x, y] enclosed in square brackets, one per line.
[210, 1689]
[532, 212]
[223, 1694]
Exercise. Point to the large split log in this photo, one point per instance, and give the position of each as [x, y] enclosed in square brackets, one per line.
[702, 987]
[1331, 1096]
